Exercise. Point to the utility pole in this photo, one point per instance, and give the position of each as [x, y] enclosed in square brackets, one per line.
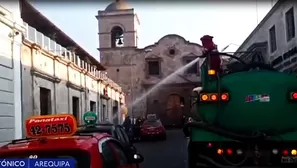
[132, 84]
[257, 12]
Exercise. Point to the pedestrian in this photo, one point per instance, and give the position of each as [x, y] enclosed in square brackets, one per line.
[142, 120]
[128, 126]
[127, 122]
[138, 121]
[190, 119]
[183, 120]
[137, 128]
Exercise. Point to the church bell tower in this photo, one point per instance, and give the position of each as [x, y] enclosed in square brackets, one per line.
[118, 25]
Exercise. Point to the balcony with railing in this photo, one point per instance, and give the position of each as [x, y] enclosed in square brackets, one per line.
[49, 45]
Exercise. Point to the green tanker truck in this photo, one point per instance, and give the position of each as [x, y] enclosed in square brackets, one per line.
[247, 115]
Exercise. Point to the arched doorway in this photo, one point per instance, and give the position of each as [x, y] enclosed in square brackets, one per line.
[117, 37]
[174, 109]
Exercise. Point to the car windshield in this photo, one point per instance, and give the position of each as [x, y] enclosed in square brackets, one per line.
[96, 129]
[81, 157]
[152, 123]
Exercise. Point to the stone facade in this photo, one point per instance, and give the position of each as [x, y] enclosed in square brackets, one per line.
[271, 37]
[131, 67]
[55, 80]
[10, 76]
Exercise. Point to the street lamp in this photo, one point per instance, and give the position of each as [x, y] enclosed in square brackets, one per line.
[132, 75]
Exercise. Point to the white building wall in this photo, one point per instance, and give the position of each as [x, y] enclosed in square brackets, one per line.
[10, 77]
[65, 78]
[276, 16]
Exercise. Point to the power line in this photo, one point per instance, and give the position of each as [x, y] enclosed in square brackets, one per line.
[257, 12]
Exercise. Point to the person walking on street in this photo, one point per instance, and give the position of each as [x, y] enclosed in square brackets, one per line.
[128, 126]
[184, 120]
[127, 123]
[137, 128]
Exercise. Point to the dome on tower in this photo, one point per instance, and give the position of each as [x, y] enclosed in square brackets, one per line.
[117, 5]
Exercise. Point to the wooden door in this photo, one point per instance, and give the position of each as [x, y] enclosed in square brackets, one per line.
[173, 108]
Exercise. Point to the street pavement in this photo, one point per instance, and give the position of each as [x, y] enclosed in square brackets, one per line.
[171, 153]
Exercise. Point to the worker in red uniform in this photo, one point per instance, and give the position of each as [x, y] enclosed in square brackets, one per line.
[209, 46]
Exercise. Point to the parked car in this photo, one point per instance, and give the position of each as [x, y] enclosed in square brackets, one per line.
[117, 131]
[152, 129]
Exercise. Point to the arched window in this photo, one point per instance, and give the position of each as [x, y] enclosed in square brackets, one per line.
[117, 37]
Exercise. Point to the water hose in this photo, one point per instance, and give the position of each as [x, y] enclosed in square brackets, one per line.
[208, 127]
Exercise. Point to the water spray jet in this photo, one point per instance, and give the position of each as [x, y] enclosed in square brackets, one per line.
[209, 48]
[165, 80]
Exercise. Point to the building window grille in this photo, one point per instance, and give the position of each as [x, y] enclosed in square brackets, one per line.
[193, 69]
[45, 101]
[290, 25]
[272, 39]
[153, 68]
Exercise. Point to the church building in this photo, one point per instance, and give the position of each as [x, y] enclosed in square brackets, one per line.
[138, 70]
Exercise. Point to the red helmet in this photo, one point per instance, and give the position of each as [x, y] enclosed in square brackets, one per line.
[207, 42]
[215, 60]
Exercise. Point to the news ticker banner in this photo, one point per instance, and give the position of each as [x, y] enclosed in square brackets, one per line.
[38, 163]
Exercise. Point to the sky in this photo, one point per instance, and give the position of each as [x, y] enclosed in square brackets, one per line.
[230, 22]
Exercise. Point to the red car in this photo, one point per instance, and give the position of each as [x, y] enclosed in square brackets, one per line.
[56, 137]
[151, 129]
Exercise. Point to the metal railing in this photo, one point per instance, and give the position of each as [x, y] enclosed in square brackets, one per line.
[48, 44]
